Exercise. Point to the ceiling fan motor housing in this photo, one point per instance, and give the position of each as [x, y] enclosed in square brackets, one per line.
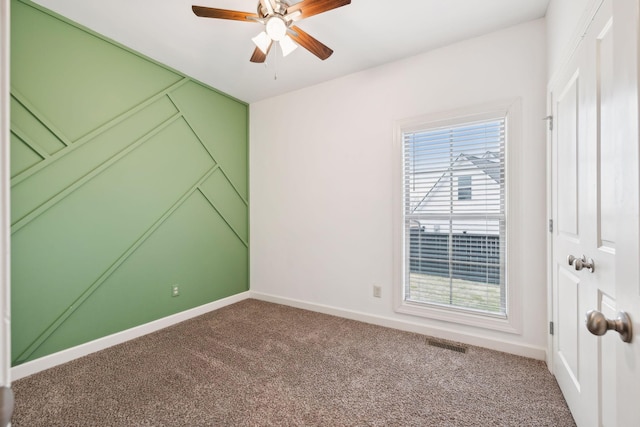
[279, 8]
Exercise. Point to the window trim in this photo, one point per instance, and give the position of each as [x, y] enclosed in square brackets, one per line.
[512, 111]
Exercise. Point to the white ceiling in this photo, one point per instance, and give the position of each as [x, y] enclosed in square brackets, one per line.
[364, 34]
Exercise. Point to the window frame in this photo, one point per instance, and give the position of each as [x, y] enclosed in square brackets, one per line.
[511, 111]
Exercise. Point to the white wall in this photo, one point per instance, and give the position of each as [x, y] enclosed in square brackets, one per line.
[321, 180]
[566, 22]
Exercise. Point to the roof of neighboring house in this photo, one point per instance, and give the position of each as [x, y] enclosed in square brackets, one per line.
[485, 163]
[488, 166]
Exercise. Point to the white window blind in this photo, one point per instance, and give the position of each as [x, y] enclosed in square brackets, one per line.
[454, 216]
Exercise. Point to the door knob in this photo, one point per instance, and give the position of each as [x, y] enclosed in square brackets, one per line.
[580, 263]
[597, 324]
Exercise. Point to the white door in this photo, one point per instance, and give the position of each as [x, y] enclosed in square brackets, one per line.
[574, 352]
[595, 213]
[627, 141]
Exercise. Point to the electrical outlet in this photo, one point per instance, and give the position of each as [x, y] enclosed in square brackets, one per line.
[377, 291]
[175, 290]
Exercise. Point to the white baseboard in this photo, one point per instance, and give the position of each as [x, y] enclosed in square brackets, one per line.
[538, 353]
[64, 356]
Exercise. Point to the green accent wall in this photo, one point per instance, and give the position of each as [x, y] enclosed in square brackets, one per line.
[127, 178]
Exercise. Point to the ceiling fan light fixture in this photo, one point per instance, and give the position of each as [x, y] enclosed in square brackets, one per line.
[287, 45]
[276, 28]
[263, 41]
[277, 17]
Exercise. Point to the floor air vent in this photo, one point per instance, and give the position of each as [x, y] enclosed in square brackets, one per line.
[448, 346]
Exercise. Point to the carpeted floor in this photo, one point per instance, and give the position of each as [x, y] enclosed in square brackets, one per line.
[260, 364]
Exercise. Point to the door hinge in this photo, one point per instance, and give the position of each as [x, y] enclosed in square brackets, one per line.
[550, 120]
[550, 226]
[550, 328]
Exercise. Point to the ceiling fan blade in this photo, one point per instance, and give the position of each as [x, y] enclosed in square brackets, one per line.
[209, 12]
[259, 56]
[310, 43]
[313, 7]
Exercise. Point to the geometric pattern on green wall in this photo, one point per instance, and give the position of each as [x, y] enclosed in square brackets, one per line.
[81, 159]
[22, 155]
[30, 129]
[68, 83]
[112, 206]
[214, 118]
[177, 253]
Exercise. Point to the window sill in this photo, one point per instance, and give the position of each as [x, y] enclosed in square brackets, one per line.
[485, 321]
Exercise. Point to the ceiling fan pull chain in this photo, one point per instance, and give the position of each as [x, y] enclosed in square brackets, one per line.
[275, 61]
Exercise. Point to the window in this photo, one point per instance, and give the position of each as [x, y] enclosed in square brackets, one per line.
[464, 187]
[461, 264]
[452, 200]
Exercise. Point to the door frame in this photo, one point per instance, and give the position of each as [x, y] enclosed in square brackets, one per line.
[5, 264]
[6, 395]
[572, 46]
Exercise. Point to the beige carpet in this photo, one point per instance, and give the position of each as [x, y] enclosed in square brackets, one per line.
[261, 364]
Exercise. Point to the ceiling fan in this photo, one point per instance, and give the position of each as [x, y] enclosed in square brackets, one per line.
[278, 17]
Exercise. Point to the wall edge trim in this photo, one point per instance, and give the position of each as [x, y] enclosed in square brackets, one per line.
[64, 356]
[524, 350]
